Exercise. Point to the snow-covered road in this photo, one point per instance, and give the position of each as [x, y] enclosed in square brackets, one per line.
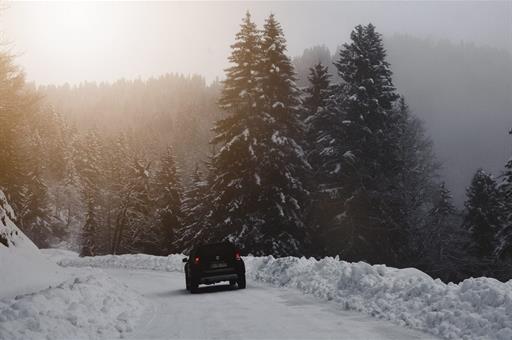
[261, 312]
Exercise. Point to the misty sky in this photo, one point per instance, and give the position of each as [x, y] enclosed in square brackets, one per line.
[73, 42]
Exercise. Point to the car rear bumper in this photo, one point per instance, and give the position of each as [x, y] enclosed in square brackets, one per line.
[218, 278]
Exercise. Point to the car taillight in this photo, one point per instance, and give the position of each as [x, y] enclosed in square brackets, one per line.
[237, 256]
[196, 260]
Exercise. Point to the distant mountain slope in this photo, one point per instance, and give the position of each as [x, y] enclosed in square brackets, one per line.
[462, 92]
[464, 95]
[172, 110]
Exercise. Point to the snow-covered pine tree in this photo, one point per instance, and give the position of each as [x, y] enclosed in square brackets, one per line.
[34, 217]
[484, 214]
[60, 175]
[316, 119]
[18, 105]
[116, 166]
[238, 100]
[194, 212]
[317, 93]
[137, 228]
[239, 90]
[504, 246]
[445, 238]
[169, 199]
[366, 159]
[87, 160]
[256, 191]
[88, 234]
[51, 128]
[415, 181]
[314, 114]
[284, 166]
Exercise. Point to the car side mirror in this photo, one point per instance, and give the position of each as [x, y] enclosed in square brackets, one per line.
[185, 260]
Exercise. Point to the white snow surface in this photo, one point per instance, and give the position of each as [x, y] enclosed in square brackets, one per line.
[479, 308]
[88, 307]
[22, 267]
[40, 300]
[258, 312]
[171, 263]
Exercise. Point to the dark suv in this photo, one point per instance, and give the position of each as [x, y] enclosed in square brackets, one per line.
[212, 263]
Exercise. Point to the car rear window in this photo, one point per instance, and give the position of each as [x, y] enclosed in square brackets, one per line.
[223, 250]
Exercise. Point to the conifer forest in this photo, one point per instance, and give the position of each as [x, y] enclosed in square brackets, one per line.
[314, 155]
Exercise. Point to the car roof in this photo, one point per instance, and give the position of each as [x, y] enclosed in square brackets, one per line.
[215, 245]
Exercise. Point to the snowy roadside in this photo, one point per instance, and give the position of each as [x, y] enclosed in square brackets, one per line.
[171, 263]
[92, 306]
[40, 300]
[478, 308]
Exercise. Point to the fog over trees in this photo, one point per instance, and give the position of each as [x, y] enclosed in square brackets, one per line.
[389, 150]
[462, 93]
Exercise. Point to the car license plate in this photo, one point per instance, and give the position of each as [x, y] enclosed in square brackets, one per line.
[218, 265]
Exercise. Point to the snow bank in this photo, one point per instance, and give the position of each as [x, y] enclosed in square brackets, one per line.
[88, 307]
[22, 267]
[92, 307]
[478, 308]
[171, 263]
[56, 255]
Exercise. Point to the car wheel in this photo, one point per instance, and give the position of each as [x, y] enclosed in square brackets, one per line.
[241, 282]
[187, 282]
[194, 286]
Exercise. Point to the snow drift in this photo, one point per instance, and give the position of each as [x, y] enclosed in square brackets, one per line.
[22, 267]
[478, 308]
[85, 307]
[171, 263]
[90, 307]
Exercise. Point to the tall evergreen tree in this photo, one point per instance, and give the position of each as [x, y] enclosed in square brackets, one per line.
[256, 189]
[144, 233]
[87, 160]
[19, 105]
[504, 246]
[169, 199]
[415, 181]
[484, 214]
[314, 111]
[365, 159]
[238, 99]
[315, 117]
[194, 212]
[445, 240]
[239, 90]
[34, 216]
[317, 93]
[136, 227]
[116, 166]
[88, 233]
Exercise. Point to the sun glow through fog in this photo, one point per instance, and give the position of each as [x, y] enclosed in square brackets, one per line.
[104, 41]
[72, 26]
[74, 41]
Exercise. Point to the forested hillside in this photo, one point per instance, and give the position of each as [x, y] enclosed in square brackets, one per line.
[172, 110]
[460, 91]
[341, 165]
